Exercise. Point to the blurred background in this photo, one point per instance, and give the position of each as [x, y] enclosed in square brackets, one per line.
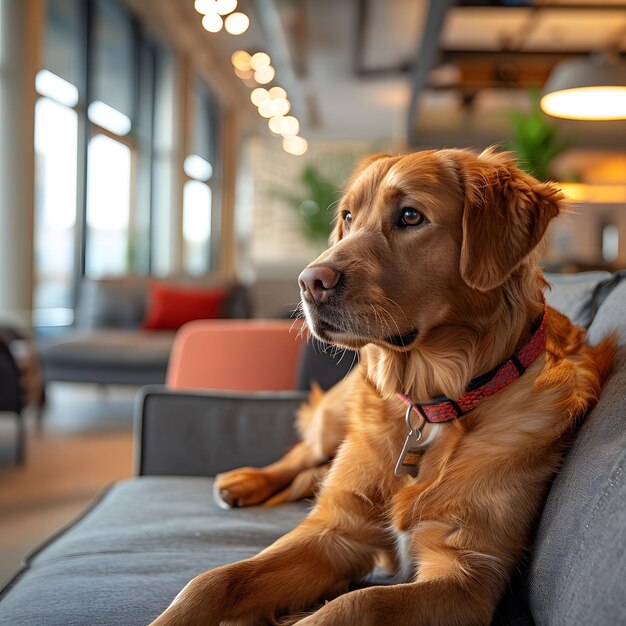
[170, 151]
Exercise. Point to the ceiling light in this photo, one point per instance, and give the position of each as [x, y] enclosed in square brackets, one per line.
[244, 74]
[258, 95]
[197, 167]
[277, 92]
[275, 124]
[241, 60]
[281, 106]
[586, 89]
[260, 60]
[295, 145]
[212, 22]
[223, 7]
[55, 87]
[596, 194]
[266, 108]
[107, 117]
[264, 76]
[237, 23]
[205, 6]
[587, 103]
[290, 126]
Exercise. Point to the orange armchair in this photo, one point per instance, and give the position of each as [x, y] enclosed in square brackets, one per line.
[238, 355]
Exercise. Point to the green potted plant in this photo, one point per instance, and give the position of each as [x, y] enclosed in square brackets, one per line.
[535, 140]
[313, 205]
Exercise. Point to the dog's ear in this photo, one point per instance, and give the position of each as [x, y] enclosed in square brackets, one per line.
[360, 167]
[505, 215]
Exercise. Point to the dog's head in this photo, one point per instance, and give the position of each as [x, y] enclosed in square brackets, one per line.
[423, 241]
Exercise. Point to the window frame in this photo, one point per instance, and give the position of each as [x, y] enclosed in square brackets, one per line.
[147, 49]
[192, 79]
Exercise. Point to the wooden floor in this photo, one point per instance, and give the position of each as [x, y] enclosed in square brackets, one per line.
[85, 444]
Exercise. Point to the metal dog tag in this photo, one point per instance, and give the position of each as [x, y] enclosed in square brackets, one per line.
[410, 456]
[412, 451]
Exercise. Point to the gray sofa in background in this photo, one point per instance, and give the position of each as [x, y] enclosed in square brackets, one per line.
[107, 346]
[130, 554]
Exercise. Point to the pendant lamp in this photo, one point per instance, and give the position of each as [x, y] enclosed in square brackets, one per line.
[592, 88]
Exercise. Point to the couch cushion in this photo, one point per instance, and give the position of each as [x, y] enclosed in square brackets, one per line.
[579, 560]
[171, 306]
[124, 348]
[573, 294]
[126, 560]
[107, 356]
[112, 302]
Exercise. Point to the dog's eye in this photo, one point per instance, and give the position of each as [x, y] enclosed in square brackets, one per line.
[411, 217]
[347, 217]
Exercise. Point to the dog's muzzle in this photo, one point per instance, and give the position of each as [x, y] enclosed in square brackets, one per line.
[317, 283]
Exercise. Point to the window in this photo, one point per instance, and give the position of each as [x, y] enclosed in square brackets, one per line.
[112, 100]
[109, 238]
[109, 128]
[56, 164]
[197, 193]
[61, 47]
[196, 225]
[143, 136]
[56, 129]
[108, 208]
[162, 228]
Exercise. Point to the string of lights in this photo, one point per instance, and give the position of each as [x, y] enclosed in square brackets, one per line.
[255, 70]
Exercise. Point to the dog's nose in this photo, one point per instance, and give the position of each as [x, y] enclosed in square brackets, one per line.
[318, 281]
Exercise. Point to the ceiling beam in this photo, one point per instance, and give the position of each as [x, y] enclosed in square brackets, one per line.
[531, 4]
[485, 56]
[551, 56]
[362, 19]
[426, 57]
[278, 49]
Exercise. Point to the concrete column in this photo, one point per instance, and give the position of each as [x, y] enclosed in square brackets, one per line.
[21, 23]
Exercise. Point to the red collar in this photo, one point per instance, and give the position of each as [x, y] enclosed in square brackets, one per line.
[444, 409]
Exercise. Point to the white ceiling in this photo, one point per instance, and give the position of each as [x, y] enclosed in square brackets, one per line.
[348, 107]
[318, 48]
[373, 105]
[547, 29]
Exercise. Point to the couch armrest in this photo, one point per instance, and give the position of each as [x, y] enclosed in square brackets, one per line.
[203, 433]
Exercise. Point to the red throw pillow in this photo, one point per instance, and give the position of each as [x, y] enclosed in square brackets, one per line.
[171, 306]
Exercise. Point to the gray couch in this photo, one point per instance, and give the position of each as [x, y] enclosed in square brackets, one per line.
[127, 557]
[107, 346]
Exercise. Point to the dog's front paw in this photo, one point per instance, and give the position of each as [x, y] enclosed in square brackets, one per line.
[245, 486]
[346, 610]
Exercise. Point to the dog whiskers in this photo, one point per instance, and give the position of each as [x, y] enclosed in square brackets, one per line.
[385, 326]
[397, 306]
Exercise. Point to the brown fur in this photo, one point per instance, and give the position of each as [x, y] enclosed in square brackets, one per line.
[467, 283]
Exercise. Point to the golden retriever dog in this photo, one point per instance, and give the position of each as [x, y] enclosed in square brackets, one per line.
[467, 394]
